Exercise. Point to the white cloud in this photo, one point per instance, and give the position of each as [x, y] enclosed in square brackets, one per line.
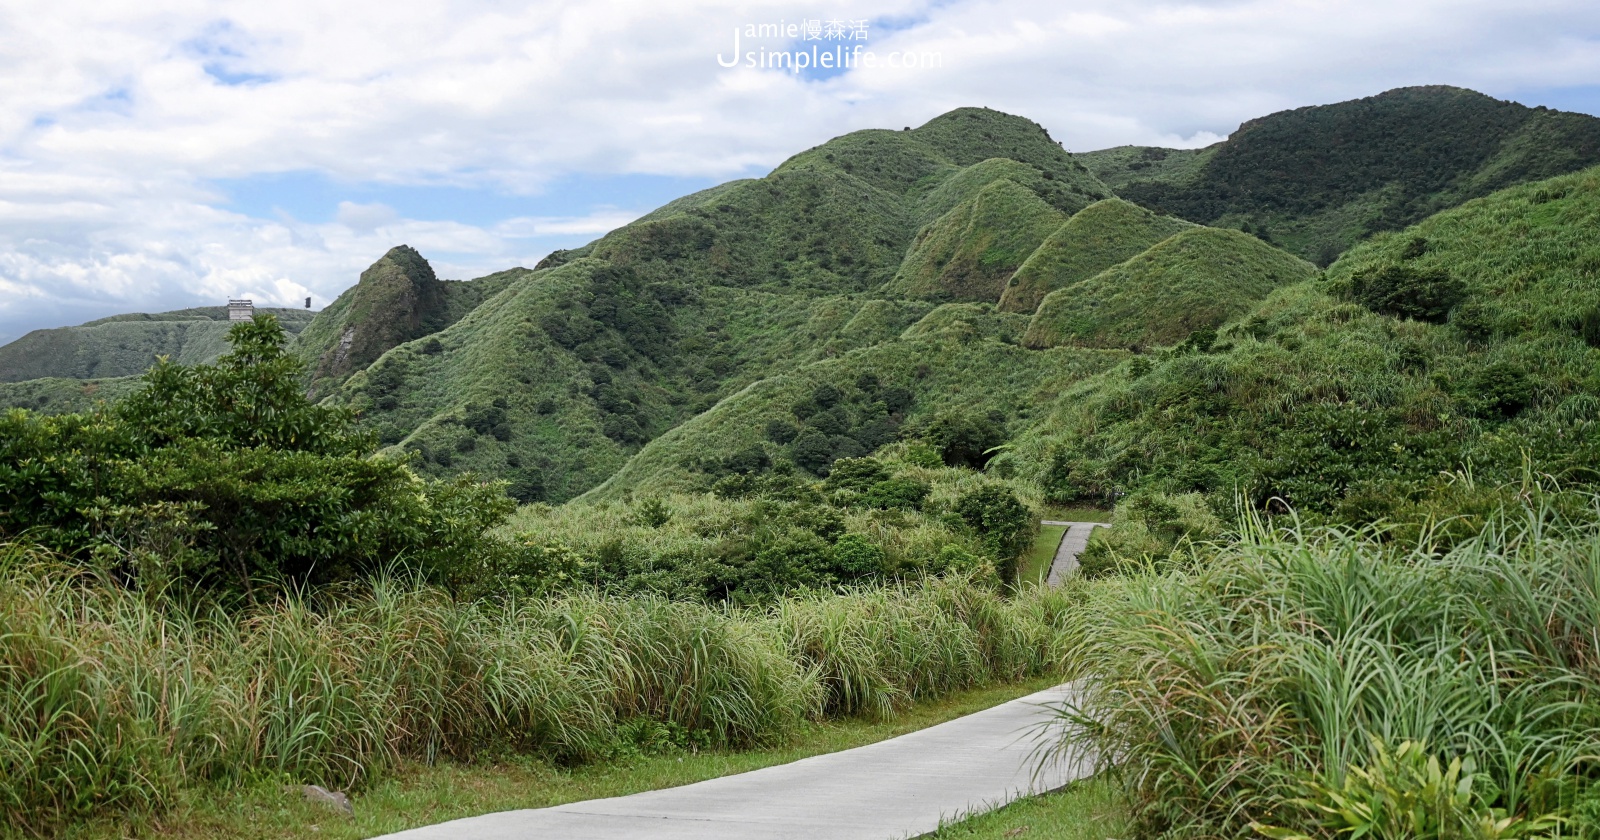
[114, 118]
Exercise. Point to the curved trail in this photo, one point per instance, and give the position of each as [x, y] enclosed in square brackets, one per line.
[899, 788]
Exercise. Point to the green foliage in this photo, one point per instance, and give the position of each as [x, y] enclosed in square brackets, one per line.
[1004, 524]
[1253, 688]
[1197, 279]
[1323, 178]
[965, 439]
[226, 477]
[1406, 292]
[1407, 794]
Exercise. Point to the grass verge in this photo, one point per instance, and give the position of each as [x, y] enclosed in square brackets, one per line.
[1036, 564]
[1091, 809]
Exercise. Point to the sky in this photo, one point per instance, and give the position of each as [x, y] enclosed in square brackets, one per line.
[175, 153]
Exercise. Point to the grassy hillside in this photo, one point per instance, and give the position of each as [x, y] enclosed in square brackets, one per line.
[968, 253]
[555, 382]
[1094, 239]
[125, 345]
[1430, 368]
[1195, 280]
[943, 367]
[1319, 179]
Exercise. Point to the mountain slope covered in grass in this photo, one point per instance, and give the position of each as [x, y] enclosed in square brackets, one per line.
[987, 274]
[1431, 366]
[1194, 280]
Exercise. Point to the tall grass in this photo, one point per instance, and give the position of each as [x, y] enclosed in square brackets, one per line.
[112, 701]
[1256, 688]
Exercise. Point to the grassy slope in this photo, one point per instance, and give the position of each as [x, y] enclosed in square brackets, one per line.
[1194, 280]
[595, 356]
[125, 345]
[951, 367]
[1318, 179]
[1337, 409]
[1094, 239]
[968, 253]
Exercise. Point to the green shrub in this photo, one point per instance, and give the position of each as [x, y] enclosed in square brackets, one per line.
[1005, 525]
[1408, 292]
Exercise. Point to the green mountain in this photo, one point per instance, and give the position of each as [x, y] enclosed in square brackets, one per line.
[125, 345]
[1428, 369]
[1319, 179]
[970, 278]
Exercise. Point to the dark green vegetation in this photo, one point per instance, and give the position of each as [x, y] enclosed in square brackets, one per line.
[1317, 180]
[225, 478]
[124, 345]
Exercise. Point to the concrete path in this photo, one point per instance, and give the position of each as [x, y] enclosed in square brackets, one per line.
[1073, 542]
[893, 789]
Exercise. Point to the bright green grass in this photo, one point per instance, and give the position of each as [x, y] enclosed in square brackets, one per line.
[1198, 279]
[968, 253]
[417, 794]
[1035, 565]
[1091, 809]
[1094, 239]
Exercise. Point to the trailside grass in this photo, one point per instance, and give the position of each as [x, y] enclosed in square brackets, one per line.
[1091, 809]
[1035, 566]
[417, 794]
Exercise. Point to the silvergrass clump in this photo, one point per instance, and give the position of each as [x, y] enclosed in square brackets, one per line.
[113, 700]
[1230, 695]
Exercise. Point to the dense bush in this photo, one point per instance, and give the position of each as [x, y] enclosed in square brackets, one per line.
[1407, 292]
[227, 477]
[1004, 524]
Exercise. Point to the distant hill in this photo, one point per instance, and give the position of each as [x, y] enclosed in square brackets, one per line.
[125, 345]
[1317, 180]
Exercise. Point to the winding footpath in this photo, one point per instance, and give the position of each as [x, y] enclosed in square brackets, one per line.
[900, 788]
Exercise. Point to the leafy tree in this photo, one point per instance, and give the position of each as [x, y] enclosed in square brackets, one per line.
[965, 439]
[1001, 520]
